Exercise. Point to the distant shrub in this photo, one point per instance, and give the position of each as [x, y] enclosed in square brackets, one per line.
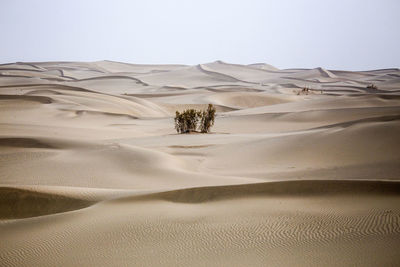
[188, 120]
[207, 119]
[303, 91]
[307, 91]
[372, 86]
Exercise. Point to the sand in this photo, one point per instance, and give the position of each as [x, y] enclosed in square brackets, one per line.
[93, 173]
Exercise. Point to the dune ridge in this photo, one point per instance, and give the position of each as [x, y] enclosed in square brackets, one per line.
[16, 203]
[26, 202]
[302, 188]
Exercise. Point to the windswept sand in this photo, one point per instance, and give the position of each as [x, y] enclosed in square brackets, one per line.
[92, 172]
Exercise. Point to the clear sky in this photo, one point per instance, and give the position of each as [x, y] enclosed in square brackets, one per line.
[334, 34]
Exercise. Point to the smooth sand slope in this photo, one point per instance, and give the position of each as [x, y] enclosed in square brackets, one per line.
[92, 172]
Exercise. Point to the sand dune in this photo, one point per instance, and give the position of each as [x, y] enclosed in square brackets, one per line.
[263, 66]
[17, 203]
[242, 100]
[260, 230]
[20, 66]
[112, 66]
[40, 99]
[358, 144]
[272, 189]
[93, 173]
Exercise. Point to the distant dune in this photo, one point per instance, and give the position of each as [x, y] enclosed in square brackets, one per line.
[302, 167]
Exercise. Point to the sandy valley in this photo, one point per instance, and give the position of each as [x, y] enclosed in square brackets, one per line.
[302, 167]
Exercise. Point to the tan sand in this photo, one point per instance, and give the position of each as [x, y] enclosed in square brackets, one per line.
[92, 172]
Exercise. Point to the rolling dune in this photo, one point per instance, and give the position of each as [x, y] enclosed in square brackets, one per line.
[18, 203]
[93, 173]
[261, 230]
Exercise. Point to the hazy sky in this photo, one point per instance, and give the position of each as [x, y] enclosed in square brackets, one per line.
[338, 34]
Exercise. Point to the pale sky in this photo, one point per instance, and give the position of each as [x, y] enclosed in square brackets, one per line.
[334, 34]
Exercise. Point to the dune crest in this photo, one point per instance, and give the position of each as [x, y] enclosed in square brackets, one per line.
[17, 203]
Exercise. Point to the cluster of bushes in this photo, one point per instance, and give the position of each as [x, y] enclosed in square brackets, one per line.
[192, 120]
[372, 86]
[306, 90]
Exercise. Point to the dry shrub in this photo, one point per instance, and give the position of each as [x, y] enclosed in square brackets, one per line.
[372, 86]
[190, 120]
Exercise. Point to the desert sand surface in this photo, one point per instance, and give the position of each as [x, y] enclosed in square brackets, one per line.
[93, 173]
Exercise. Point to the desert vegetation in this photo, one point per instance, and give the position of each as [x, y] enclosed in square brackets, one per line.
[303, 91]
[306, 91]
[192, 120]
[372, 86]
